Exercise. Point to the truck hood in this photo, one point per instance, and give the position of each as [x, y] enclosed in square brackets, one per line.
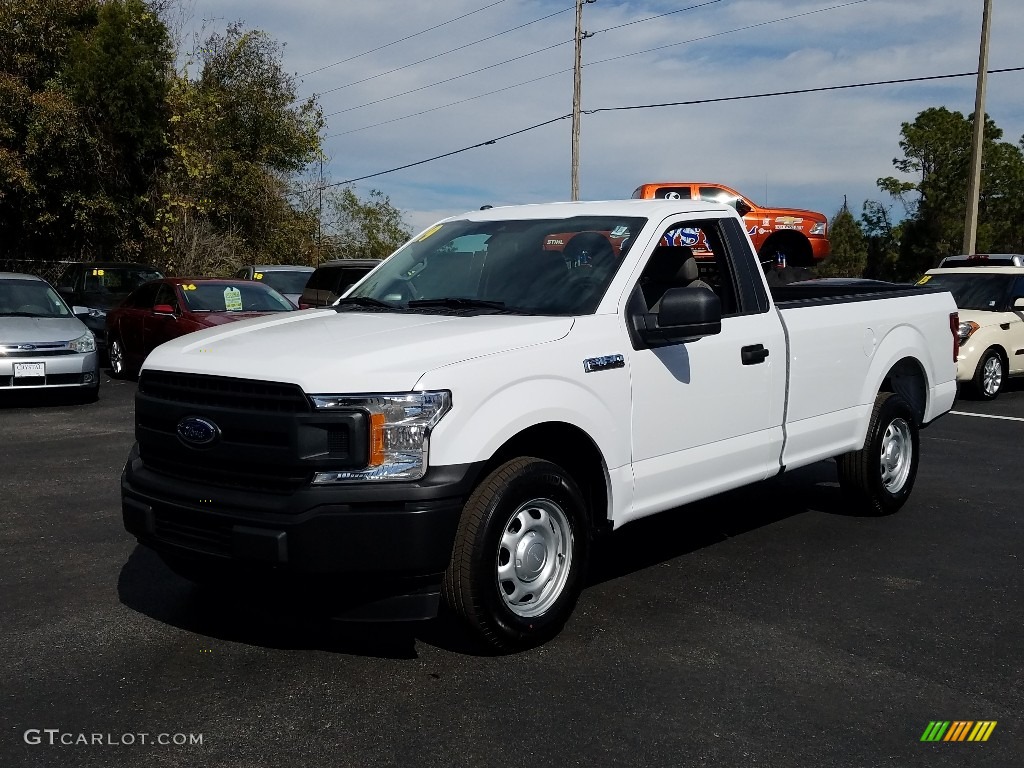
[32, 330]
[324, 351]
[796, 213]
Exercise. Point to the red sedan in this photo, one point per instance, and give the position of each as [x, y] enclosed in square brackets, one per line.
[164, 309]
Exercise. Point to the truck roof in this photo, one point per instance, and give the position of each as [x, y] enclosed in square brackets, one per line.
[647, 208]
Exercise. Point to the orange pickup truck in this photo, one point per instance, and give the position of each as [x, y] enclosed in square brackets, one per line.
[783, 236]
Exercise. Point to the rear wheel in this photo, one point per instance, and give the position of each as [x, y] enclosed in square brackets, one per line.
[520, 554]
[989, 375]
[880, 476]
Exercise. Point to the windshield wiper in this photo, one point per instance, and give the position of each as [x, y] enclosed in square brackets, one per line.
[453, 302]
[364, 301]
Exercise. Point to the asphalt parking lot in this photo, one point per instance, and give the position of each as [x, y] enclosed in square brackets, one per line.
[766, 627]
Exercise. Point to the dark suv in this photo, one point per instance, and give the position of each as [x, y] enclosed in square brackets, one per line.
[101, 286]
[333, 278]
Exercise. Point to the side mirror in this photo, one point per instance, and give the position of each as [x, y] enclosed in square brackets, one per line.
[78, 311]
[742, 208]
[686, 314]
[1018, 303]
[163, 309]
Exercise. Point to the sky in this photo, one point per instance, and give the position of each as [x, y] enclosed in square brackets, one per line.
[506, 65]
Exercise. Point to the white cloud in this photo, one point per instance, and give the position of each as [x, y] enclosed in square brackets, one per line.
[807, 150]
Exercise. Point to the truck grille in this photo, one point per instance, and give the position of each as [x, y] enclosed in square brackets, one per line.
[268, 437]
[224, 392]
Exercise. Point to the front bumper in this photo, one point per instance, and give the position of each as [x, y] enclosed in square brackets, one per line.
[386, 545]
[61, 372]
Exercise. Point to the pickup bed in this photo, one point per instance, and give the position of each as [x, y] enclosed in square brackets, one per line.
[507, 385]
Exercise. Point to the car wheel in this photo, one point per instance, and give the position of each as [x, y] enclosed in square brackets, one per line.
[880, 476]
[90, 395]
[520, 554]
[989, 375]
[115, 352]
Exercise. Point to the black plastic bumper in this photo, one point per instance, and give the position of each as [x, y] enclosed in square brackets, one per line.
[387, 544]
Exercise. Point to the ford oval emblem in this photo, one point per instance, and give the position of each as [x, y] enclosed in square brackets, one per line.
[196, 432]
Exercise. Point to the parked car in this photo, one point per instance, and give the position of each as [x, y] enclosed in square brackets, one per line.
[287, 279]
[333, 278]
[164, 309]
[983, 260]
[476, 409]
[43, 345]
[100, 286]
[991, 302]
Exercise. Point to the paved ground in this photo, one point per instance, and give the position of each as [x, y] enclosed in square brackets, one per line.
[767, 627]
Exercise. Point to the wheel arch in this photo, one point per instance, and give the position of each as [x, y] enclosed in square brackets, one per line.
[907, 378]
[797, 243]
[571, 448]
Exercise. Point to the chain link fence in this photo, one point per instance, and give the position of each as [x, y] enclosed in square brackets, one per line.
[51, 271]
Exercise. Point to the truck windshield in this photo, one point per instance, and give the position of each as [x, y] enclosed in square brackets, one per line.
[542, 267]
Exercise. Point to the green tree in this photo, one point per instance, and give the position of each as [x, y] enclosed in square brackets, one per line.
[81, 125]
[238, 136]
[936, 153]
[882, 240]
[849, 253]
[369, 229]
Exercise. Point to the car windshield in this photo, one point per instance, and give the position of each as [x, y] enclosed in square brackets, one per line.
[545, 267]
[30, 298]
[238, 296]
[117, 280]
[974, 291]
[285, 281]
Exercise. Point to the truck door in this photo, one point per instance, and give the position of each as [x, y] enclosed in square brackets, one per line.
[707, 414]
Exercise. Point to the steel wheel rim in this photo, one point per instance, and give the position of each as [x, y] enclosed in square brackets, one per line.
[992, 375]
[116, 357]
[534, 557]
[897, 455]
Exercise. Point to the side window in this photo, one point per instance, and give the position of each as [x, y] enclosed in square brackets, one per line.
[1018, 290]
[691, 254]
[165, 295]
[143, 298]
[673, 193]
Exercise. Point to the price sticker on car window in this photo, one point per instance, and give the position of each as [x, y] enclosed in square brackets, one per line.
[258, 276]
[232, 299]
[924, 279]
[433, 230]
[97, 273]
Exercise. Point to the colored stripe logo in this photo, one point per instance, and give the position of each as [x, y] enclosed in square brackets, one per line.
[958, 730]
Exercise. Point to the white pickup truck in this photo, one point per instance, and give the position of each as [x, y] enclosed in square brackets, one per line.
[506, 385]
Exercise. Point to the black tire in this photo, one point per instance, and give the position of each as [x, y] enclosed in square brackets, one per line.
[554, 542]
[989, 376]
[879, 477]
[90, 395]
[116, 356]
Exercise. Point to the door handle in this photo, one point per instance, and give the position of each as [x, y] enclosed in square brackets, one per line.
[753, 354]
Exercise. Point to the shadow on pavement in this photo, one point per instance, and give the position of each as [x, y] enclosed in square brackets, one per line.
[290, 620]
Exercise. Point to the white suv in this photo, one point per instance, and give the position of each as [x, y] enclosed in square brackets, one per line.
[991, 303]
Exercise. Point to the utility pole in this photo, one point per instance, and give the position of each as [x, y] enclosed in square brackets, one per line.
[978, 140]
[576, 86]
[320, 213]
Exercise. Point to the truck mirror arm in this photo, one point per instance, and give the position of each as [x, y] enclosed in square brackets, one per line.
[685, 314]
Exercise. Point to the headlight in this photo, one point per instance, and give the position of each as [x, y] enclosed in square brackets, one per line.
[818, 229]
[84, 343]
[967, 327]
[400, 427]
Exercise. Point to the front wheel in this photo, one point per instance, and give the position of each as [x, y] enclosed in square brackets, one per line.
[880, 476]
[520, 554]
[115, 353]
[988, 377]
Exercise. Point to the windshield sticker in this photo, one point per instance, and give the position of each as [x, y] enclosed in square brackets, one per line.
[433, 230]
[97, 272]
[620, 231]
[188, 286]
[232, 299]
[258, 276]
[924, 279]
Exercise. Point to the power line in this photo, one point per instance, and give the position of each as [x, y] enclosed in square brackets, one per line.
[401, 39]
[516, 58]
[676, 104]
[443, 53]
